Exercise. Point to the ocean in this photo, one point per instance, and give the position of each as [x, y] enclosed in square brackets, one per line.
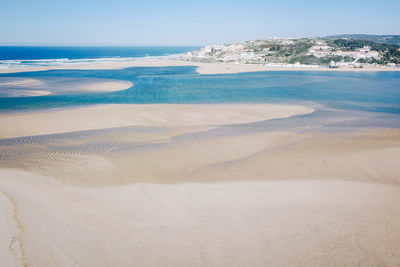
[377, 92]
[27, 56]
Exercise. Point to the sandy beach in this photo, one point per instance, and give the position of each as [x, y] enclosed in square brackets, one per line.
[276, 223]
[278, 198]
[119, 115]
[199, 133]
[27, 87]
[201, 68]
[108, 86]
[195, 185]
[193, 198]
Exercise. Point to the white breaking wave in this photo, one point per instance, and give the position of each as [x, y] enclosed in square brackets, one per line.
[24, 63]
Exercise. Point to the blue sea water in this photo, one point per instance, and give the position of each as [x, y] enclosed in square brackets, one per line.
[362, 91]
[22, 56]
[368, 91]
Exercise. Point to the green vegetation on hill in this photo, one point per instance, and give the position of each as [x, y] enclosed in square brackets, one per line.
[388, 39]
[310, 51]
[313, 60]
[390, 53]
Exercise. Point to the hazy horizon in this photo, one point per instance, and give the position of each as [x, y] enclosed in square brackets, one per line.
[188, 23]
[155, 45]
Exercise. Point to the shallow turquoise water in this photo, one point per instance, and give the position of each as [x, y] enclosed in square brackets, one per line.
[364, 91]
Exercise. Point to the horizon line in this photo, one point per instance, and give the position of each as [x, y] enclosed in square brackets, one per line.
[94, 44]
[173, 44]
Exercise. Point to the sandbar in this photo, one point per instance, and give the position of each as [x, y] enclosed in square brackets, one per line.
[122, 115]
[201, 67]
[233, 199]
[108, 86]
[17, 82]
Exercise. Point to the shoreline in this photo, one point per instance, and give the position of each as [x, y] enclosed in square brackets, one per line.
[112, 86]
[157, 115]
[202, 68]
[26, 87]
[113, 184]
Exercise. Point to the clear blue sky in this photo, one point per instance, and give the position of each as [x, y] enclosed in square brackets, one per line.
[178, 22]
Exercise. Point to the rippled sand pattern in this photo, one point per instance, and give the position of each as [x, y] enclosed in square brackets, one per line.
[318, 189]
[149, 154]
[42, 149]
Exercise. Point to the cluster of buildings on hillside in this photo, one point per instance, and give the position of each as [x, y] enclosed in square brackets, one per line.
[323, 50]
[224, 53]
[265, 52]
[240, 53]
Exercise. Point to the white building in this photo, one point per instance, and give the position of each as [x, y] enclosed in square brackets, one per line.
[358, 54]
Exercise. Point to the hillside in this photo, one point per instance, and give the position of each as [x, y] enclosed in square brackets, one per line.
[333, 52]
[389, 39]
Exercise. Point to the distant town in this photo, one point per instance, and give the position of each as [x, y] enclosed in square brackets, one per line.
[304, 52]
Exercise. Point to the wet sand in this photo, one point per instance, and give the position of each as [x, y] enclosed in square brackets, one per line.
[191, 185]
[23, 82]
[26, 87]
[23, 85]
[120, 115]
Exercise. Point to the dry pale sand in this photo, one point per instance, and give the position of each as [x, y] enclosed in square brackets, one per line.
[10, 252]
[24, 93]
[167, 157]
[202, 68]
[370, 156]
[108, 86]
[240, 198]
[269, 223]
[115, 115]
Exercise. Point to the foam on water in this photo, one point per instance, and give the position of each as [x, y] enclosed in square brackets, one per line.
[28, 56]
[12, 64]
